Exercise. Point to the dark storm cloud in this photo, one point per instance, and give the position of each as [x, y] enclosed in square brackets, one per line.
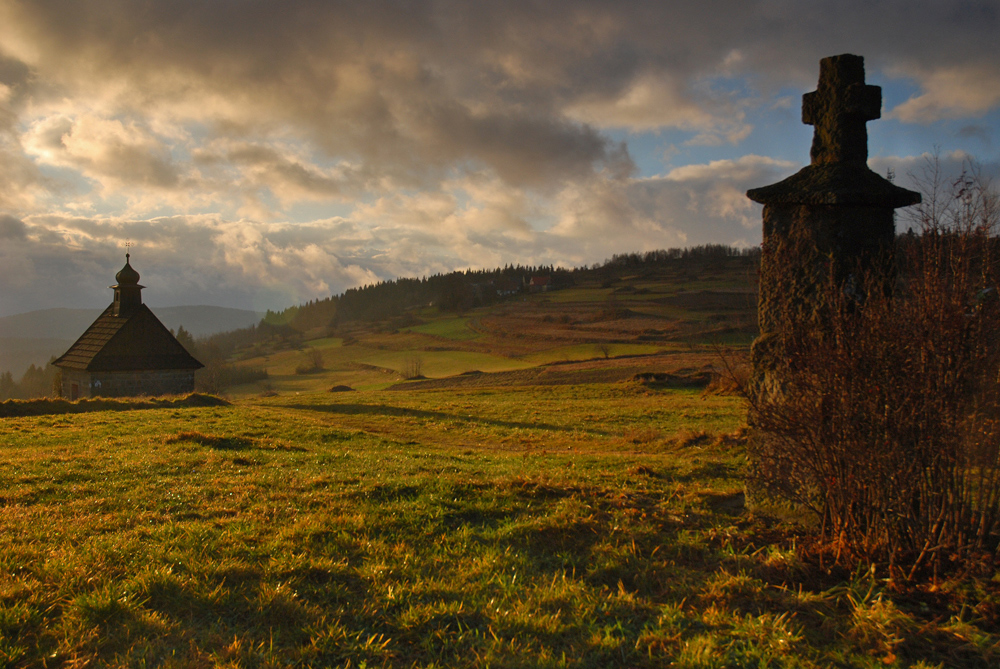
[11, 228]
[424, 135]
[976, 132]
[413, 88]
[362, 80]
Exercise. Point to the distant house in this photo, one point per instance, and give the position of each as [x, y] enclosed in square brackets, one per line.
[540, 284]
[127, 351]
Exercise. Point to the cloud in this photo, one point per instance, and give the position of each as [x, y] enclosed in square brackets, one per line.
[189, 260]
[976, 132]
[359, 86]
[695, 204]
[409, 94]
[109, 151]
[473, 221]
[22, 183]
[648, 102]
[710, 199]
[289, 177]
[961, 91]
[19, 176]
[920, 173]
[287, 149]
[11, 228]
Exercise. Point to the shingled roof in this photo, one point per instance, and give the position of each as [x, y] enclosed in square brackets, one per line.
[136, 342]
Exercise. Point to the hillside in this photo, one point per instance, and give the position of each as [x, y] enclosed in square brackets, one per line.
[602, 324]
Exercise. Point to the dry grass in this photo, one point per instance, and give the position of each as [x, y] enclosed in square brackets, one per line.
[496, 527]
[38, 407]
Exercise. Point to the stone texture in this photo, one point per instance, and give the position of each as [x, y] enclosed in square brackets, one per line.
[836, 209]
[839, 108]
[833, 220]
[78, 384]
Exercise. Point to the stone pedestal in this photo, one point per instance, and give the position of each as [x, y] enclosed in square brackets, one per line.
[833, 215]
[831, 221]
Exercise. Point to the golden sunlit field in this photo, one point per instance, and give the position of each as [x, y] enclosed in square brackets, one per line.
[534, 502]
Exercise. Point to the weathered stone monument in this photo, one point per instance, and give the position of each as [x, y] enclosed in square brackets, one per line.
[833, 215]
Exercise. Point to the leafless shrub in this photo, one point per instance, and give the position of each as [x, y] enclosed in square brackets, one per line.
[883, 416]
[612, 310]
[413, 367]
[733, 378]
[312, 362]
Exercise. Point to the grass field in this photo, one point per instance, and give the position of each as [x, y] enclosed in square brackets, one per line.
[577, 525]
[450, 328]
[562, 491]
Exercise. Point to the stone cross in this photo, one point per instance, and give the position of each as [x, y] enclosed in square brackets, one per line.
[832, 215]
[838, 110]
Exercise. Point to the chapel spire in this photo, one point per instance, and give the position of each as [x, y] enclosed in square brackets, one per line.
[128, 292]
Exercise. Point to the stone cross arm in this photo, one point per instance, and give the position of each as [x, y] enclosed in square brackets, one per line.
[839, 108]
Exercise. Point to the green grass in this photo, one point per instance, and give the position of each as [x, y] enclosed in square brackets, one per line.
[443, 363]
[447, 328]
[587, 295]
[578, 526]
[589, 351]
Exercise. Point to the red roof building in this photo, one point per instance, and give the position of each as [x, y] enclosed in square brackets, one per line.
[539, 284]
[127, 351]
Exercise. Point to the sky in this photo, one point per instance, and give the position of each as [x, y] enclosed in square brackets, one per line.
[259, 154]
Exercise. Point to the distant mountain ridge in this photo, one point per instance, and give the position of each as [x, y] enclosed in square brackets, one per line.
[34, 337]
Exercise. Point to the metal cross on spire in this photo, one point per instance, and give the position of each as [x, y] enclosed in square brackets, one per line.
[839, 108]
[128, 245]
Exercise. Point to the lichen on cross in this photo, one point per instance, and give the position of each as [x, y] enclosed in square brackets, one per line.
[838, 110]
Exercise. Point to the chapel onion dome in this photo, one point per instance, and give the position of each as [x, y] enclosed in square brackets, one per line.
[126, 275]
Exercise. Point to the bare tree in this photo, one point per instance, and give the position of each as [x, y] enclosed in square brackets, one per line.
[413, 367]
[312, 362]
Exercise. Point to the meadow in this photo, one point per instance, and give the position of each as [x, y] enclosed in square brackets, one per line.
[537, 502]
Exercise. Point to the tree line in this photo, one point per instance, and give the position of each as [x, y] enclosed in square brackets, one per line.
[37, 381]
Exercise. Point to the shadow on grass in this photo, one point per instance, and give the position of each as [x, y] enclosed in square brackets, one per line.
[385, 410]
[211, 441]
[477, 517]
[708, 471]
[387, 492]
[558, 546]
[236, 597]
